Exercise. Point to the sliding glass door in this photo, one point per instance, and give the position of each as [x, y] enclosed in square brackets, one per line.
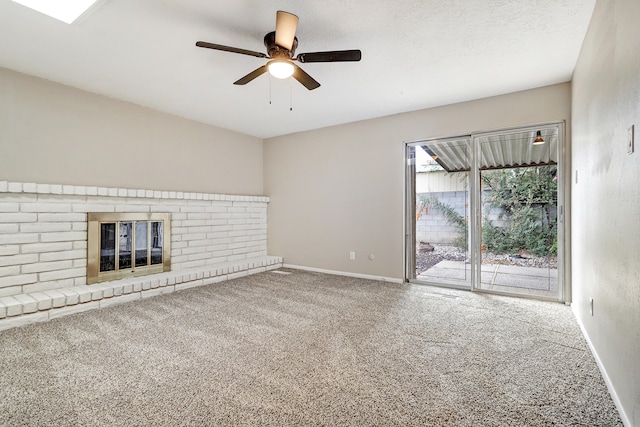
[484, 212]
[519, 212]
[441, 202]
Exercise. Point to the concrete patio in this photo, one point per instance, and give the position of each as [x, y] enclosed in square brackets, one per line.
[533, 281]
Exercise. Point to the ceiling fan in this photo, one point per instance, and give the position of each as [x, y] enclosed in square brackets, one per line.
[281, 45]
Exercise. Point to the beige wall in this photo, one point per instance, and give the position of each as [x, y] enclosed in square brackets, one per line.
[340, 189]
[51, 133]
[606, 199]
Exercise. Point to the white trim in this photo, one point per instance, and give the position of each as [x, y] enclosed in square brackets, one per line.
[612, 391]
[344, 273]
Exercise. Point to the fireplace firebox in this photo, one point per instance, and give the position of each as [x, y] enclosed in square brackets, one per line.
[127, 244]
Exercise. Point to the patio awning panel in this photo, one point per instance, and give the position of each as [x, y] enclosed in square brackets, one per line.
[497, 151]
[451, 154]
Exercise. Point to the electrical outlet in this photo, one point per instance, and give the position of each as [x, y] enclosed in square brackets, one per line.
[631, 142]
[591, 305]
[352, 256]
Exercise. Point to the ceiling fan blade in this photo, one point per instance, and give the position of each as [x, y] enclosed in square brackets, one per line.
[331, 56]
[286, 25]
[307, 81]
[252, 75]
[231, 49]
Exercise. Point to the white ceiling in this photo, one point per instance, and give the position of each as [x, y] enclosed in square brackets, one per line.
[415, 54]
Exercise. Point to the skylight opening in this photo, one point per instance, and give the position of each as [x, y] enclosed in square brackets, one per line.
[63, 10]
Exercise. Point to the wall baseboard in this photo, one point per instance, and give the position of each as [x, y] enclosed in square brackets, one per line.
[344, 273]
[612, 391]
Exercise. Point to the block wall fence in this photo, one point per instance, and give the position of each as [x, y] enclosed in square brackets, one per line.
[432, 225]
[43, 230]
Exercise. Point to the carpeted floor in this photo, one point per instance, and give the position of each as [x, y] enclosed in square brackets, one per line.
[306, 349]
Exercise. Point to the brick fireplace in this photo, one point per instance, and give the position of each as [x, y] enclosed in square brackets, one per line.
[44, 245]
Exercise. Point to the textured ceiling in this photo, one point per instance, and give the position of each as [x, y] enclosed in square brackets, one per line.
[415, 54]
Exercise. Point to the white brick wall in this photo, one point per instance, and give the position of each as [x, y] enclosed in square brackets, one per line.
[43, 230]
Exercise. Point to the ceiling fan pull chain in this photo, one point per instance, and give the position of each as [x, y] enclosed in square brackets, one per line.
[290, 97]
[269, 90]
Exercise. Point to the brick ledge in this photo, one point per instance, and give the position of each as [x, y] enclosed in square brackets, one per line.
[83, 190]
[24, 309]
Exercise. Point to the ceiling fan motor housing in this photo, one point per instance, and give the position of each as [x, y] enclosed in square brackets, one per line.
[276, 51]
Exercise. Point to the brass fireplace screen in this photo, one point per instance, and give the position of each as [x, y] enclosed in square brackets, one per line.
[127, 244]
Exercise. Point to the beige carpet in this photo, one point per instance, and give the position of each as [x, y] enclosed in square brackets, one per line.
[306, 349]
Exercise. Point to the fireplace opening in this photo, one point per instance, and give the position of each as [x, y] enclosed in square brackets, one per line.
[127, 244]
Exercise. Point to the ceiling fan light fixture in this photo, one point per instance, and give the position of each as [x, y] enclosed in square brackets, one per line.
[281, 69]
[281, 45]
[539, 140]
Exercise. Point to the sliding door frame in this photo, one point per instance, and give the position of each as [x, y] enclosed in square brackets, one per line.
[409, 222]
[475, 220]
[409, 218]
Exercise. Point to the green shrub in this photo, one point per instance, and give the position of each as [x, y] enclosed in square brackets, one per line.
[525, 199]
